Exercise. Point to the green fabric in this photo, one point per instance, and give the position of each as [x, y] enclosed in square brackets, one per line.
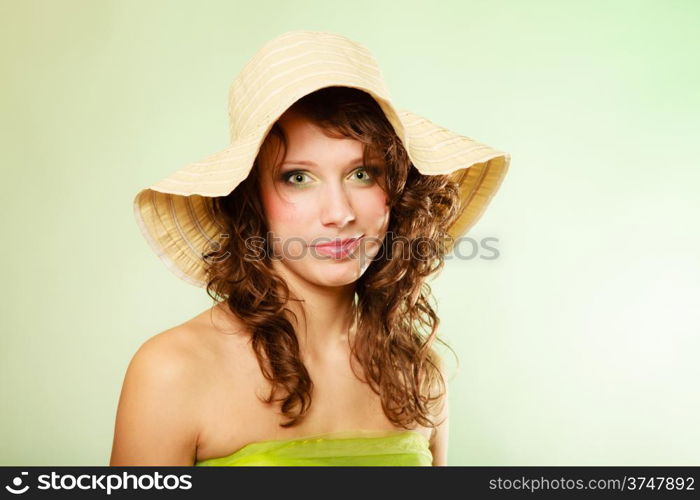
[361, 448]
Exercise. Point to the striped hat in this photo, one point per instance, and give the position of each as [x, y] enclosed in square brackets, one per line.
[176, 214]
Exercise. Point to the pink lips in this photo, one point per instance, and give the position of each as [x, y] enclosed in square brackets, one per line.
[337, 243]
[339, 249]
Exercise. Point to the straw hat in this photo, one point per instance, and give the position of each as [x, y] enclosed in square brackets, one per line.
[175, 214]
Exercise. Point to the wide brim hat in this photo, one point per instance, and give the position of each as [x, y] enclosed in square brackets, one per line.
[176, 214]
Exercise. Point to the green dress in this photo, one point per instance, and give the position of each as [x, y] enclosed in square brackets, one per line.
[357, 448]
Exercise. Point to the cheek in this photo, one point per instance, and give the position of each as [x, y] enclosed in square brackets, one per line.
[280, 214]
[375, 222]
[375, 211]
[287, 222]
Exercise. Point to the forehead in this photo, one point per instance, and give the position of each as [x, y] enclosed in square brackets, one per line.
[307, 141]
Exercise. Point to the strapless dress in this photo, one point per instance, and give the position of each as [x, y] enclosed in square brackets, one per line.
[352, 448]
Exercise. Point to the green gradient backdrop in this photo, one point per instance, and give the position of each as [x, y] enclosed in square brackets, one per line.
[578, 344]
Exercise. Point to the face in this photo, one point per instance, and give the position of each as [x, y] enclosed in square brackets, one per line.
[323, 193]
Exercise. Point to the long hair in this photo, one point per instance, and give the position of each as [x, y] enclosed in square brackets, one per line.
[396, 324]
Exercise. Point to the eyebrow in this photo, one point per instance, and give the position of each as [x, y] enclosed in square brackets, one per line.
[313, 164]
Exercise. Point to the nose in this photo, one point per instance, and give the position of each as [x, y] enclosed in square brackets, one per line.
[336, 206]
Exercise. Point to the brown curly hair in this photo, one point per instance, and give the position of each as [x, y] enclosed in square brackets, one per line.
[396, 325]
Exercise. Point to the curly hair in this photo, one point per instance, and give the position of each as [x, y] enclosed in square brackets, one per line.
[396, 325]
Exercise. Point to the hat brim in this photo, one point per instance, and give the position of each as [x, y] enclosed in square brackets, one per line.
[176, 217]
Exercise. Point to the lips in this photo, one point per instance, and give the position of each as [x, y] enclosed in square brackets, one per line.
[339, 250]
[337, 244]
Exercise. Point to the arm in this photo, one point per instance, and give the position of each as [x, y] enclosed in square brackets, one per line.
[156, 422]
[439, 436]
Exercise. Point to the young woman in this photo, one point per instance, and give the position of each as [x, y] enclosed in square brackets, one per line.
[319, 349]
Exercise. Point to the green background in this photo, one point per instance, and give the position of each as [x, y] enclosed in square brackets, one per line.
[578, 345]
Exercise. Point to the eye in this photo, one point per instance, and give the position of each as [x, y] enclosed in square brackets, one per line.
[365, 174]
[362, 173]
[294, 176]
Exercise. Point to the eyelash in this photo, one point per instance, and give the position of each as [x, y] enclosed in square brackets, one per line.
[372, 171]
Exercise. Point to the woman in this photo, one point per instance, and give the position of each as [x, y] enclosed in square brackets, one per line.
[313, 354]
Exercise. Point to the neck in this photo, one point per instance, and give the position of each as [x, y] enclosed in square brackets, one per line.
[324, 315]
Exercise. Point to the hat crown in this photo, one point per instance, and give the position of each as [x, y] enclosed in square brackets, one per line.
[293, 65]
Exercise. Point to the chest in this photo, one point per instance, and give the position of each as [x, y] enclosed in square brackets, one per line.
[233, 413]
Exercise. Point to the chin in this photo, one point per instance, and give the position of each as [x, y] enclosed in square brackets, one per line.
[337, 273]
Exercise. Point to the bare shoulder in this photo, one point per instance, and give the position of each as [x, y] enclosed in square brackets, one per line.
[157, 422]
[170, 356]
[195, 342]
[440, 434]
